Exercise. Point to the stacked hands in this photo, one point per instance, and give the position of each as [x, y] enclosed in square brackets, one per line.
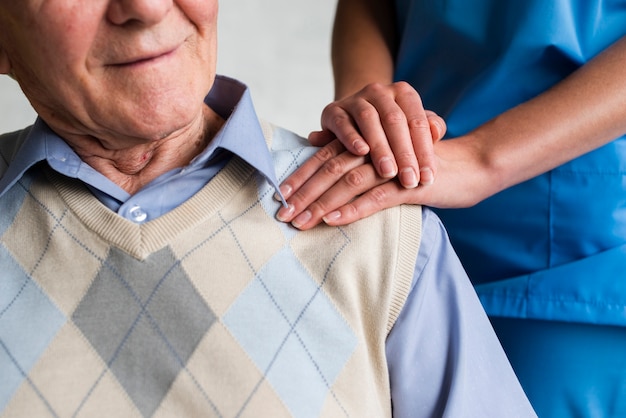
[380, 148]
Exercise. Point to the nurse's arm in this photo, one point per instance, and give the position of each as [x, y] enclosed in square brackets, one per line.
[583, 112]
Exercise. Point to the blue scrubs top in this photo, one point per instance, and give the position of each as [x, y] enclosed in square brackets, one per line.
[553, 247]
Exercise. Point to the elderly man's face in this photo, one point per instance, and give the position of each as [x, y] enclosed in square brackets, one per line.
[136, 69]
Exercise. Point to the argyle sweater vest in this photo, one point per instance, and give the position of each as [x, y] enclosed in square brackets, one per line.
[214, 309]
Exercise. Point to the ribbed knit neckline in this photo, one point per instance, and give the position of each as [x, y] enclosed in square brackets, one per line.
[140, 240]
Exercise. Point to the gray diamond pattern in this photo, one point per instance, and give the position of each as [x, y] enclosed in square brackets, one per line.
[133, 318]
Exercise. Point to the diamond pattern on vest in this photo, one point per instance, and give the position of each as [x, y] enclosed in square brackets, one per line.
[15, 196]
[21, 298]
[258, 335]
[294, 308]
[132, 317]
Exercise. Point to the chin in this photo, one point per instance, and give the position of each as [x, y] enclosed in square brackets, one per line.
[158, 121]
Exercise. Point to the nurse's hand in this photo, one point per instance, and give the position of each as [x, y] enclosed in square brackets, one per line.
[337, 187]
[390, 123]
[387, 139]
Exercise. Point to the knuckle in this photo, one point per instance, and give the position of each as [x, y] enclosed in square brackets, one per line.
[338, 119]
[345, 129]
[394, 117]
[324, 154]
[297, 200]
[419, 123]
[332, 113]
[351, 211]
[373, 88]
[406, 94]
[366, 113]
[402, 87]
[354, 179]
[319, 208]
[378, 196]
[330, 108]
[333, 167]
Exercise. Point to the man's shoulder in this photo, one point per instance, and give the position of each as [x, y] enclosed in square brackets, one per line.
[282, 139]
[290, 150]
[10, 143]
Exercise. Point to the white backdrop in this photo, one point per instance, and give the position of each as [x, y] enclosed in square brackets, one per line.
[280, 48]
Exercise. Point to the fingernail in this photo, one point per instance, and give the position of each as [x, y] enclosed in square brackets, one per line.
[387, 168]
[332, 217]
[302, 219]
[426, 176]
[284, 214]
[361, 146]
[286, 190]
[408, 178]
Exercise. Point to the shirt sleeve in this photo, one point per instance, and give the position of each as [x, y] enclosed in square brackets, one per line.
[443, 356]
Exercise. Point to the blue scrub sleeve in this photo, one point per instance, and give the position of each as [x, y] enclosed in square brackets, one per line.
[443, 356]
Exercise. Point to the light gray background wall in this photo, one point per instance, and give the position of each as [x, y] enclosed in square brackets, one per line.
[280, 48]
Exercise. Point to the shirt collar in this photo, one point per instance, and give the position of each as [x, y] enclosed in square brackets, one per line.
[32, 150]
[241, 134]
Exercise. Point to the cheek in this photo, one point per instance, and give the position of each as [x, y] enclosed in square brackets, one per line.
[49, 44]
[62, 32]
[202, 13]
[50, 71]
[39, 71]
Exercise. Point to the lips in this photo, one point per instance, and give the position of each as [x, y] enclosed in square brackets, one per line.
[144, 58]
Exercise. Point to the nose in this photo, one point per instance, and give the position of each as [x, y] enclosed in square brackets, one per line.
[147, 12]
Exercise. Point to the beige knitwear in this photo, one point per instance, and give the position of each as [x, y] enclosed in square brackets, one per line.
[214, 309]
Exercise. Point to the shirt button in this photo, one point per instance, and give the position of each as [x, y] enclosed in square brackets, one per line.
[138, 214]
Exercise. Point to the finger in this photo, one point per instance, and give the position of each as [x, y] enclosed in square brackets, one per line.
[384, 196]
[321, 138]
[420, 143]
[378, 118]
[425, 149]
[303, 173]
[438, 125]
[383, 124]
[351, 185]
[336, 120]
[323, 179]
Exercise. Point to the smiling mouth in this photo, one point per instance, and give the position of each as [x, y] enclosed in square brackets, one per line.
[144, 60]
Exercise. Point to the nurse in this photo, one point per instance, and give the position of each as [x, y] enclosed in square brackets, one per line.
[531, 180]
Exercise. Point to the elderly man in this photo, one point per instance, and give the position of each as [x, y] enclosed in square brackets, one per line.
[143, 272]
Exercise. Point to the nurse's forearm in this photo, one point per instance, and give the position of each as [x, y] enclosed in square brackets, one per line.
[363, 44]
[580, 114]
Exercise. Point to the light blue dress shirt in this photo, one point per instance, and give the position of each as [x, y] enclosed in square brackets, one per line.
[443, 356]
